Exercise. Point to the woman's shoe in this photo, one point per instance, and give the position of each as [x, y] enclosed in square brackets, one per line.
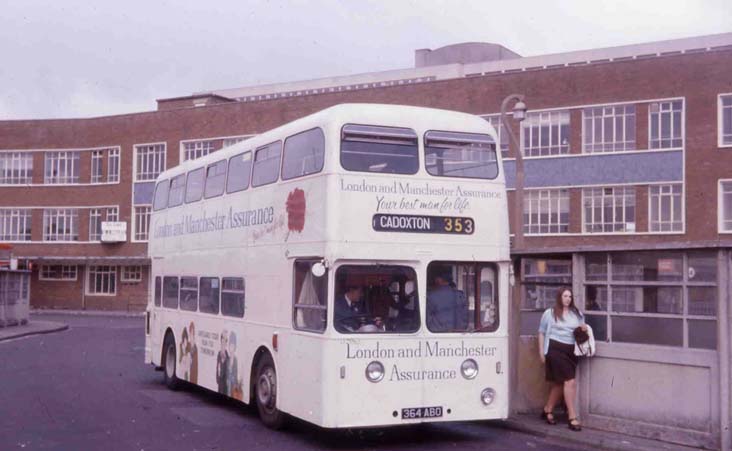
[574, 424]
[549, 417]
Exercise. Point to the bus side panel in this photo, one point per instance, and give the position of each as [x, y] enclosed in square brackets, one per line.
[300, 375]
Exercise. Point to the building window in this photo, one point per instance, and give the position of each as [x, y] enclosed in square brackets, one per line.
[113, 166]
[725, 120]
[142, 222]
[665, 211]
[609, 128]
[16, 168]
[15, 224]
[62, 168]
[131, 274]
[95, 224]
[97, 158]
[657, 298]
[57, 272]
[665, 124]
[149, 161]
[197, 149]
[502, 133]
[609, 209]
[112, 214]
[546, 211]
[232, 297]
[725, 206]
[234, 140]
[541, 278]
[60, 224]
[102, 280]
[546, 133]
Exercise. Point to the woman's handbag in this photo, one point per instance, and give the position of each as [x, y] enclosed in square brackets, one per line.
[584, 342]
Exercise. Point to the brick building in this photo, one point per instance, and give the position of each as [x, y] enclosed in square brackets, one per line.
[628, 198]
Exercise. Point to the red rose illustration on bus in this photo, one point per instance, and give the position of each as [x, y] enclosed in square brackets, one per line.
[296, 210]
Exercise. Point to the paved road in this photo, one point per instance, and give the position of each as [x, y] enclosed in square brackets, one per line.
[87, 388]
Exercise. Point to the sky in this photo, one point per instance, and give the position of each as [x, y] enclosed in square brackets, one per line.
[82, 58]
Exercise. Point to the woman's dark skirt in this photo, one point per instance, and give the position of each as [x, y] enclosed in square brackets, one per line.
[561, 363]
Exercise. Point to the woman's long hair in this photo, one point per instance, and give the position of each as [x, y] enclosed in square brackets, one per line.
[559, 307]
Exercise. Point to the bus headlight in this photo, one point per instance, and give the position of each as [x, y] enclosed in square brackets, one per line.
[469, 369]
[374, 371]
[488, 396]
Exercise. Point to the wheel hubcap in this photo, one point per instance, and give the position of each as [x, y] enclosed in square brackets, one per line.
[267, 389]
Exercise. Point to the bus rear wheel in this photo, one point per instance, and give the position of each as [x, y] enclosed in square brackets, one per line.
[266, 394]
[169, 364]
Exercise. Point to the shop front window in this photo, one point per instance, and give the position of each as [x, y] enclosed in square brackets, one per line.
[659, 298]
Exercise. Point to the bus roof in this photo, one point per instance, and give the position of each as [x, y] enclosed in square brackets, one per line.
[360, 113]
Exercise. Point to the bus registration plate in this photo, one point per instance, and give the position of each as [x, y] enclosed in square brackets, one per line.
[412, 413]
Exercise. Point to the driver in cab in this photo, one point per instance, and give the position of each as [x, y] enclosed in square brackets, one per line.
[351, 313]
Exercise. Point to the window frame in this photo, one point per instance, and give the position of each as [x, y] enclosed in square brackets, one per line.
[93, 271]
[159, 152]
[562, 198]
[52, 215]
[614, 206]
[625, 145]
[682, 119]
[446, 135]
[720, 206]
[97, 166]
[720, 121]
[56, 160]
[681, 207]
[284, 154]
[683, 283]
[114, 161]
[254, 164]
[43, 274]
[21, 218]
[249, 177]
[527, 126]
[206, 178]
[296, 306]
[413, 135]
[141, 220]
[16, 162]
[243, 292]
[128, 275]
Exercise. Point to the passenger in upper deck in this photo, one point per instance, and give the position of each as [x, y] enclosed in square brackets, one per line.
[447, 308]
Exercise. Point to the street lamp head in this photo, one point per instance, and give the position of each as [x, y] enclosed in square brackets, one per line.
[519, 111]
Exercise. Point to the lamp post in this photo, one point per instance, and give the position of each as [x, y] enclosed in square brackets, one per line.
[519, 114]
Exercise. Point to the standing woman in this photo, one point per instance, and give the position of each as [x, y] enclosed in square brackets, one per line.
[556, 351]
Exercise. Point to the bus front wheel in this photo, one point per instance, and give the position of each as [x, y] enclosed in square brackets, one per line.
[266, 394]
[169, 362]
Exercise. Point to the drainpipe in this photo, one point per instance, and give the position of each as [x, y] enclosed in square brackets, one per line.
[725, 357]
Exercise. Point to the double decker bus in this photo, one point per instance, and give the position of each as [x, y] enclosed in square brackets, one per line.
[349, 268]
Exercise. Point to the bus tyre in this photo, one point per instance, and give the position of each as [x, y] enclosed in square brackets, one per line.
[266, 394]
[169, 363]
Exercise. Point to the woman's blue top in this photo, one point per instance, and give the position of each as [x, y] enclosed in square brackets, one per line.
[562, 330]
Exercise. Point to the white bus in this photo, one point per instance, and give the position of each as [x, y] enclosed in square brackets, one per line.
[349, 268]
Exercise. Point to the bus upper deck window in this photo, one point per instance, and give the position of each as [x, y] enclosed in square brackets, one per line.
[469, 155]
[177, 190]
[161, 195]
[390, 150]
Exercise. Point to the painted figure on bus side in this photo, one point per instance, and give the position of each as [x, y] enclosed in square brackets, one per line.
[221, 361]
[447, 308]
[185, 357]
[193, 352]
[233, 384]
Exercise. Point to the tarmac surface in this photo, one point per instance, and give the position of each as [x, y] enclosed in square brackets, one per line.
[49, 322]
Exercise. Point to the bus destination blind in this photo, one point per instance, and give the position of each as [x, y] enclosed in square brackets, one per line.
[423, 224]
